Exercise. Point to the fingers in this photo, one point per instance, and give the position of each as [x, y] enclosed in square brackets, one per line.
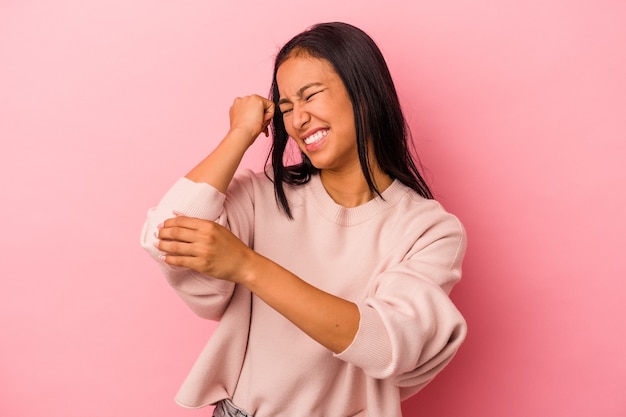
[181, 234]
[203, 246]
[188, 242]
[268, 109]
[268, 116]
[176, 260]
[185, 261]
[253, 113]
[176, 248]
[180, 221]
[176, 233]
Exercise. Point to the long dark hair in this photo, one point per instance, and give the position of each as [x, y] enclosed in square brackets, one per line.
[378, 116]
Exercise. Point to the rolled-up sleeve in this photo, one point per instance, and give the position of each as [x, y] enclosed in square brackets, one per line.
[409, 327]
[206, 296]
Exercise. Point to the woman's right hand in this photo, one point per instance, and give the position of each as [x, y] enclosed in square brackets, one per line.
[251, 115]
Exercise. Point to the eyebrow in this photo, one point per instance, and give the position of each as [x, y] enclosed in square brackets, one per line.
[300, 92]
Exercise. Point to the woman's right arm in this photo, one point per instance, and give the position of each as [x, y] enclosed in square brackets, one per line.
[201, 195]
[249, 117]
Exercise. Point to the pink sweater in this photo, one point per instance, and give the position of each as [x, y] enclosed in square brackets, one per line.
[396, 258]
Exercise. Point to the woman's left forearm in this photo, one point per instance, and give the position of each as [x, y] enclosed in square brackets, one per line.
[213, 250]
[330, 320]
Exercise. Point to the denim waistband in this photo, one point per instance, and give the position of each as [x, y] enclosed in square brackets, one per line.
[225, 408]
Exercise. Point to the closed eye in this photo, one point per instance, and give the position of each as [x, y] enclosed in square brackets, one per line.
[306, 98]
[310, 96]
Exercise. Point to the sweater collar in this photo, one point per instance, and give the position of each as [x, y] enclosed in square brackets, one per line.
[345, 216]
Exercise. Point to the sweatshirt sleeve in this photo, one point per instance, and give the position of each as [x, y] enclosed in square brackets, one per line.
[409, 306]
[206, 296]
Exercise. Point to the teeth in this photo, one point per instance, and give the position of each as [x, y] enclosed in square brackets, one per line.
[315, 137]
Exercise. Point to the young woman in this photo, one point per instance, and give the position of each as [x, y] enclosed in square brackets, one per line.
[330, 277]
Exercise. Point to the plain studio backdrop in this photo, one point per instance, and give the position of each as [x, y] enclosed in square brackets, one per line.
[518, 112]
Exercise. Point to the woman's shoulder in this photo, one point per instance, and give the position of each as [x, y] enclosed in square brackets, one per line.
[260, 185]
[420, 211]
[248, 182]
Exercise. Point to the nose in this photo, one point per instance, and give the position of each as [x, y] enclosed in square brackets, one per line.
[299, 116]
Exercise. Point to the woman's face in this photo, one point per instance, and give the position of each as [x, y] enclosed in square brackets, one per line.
[317, 112]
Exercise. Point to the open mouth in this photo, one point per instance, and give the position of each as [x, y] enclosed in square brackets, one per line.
[315, 137]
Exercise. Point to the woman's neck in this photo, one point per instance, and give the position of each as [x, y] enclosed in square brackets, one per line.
[350, 188]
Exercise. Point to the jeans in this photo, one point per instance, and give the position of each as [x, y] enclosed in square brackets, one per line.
[225, 408]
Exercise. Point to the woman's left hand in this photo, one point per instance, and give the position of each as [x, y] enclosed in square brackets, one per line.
[204, 246]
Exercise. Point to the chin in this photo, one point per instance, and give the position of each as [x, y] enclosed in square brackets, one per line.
[319, 163]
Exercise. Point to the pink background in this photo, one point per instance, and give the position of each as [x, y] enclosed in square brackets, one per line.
[518, 109]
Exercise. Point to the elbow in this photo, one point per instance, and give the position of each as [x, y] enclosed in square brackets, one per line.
[148, 238]
[431, 365]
